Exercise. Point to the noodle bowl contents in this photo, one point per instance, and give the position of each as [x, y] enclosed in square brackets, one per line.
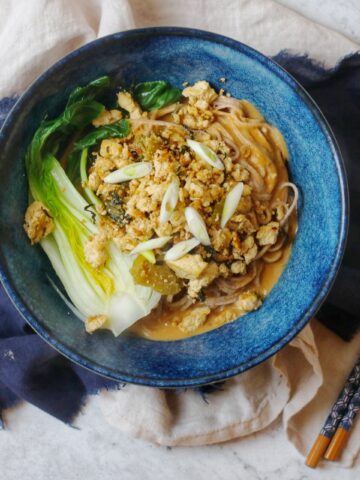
[172, 213]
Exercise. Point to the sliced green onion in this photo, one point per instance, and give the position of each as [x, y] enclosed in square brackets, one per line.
[197, 225]
[129, 172]
[149, 255]
[231, 203]
[169, 201]
[204, 152]
[151, 244]
[181, 249]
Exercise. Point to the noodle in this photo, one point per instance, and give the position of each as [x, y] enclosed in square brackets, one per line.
[181, 304]
[272, 257]
[236, 284]
[294, 202]
[214, 302]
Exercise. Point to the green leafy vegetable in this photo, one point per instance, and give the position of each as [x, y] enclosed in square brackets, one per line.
[90, 91]
[118, 129]
[109, 290]
[153, 95]
[72, 167]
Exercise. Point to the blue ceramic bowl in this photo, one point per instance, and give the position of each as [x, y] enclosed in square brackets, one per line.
[178, 54]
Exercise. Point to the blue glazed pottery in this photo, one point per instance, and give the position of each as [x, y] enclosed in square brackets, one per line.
[178, 55]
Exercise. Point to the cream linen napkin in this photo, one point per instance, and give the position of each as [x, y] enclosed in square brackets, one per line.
[301, 381]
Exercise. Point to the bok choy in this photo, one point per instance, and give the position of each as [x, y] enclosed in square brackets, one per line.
[157, 94]
[110, 291]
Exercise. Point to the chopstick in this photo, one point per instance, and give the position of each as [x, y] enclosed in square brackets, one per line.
[334, 419]
[342, 432]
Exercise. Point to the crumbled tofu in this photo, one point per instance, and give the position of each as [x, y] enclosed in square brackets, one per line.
[224, 270]
[244, 225]
[116, 151]
[221, 238]
[240, 174]
[94, 322]
[200, 94]
[188, 267]
[238, 267]
[126, 102]
[195, 188]
[102, 166]
[38, 222]
[140, 228]
[248, 301]
[164, 164]
[107, 117]
[279, 212]
[207, 276]
[156, 191]
[196, 113]
[195, 118]
[145, 199]
[125, 242]
[194, 319]
[267, 234]
[95, 251]
[251, 253]
[94, 181]
[244, 249]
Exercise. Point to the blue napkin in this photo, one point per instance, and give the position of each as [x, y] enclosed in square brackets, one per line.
[31, 370]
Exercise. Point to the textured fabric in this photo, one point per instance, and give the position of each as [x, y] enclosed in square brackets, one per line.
[36, 33]
[302, 380]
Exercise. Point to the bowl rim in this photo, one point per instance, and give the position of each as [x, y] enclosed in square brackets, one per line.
[276, 69]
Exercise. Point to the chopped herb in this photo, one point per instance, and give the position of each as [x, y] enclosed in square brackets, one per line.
[210, 249]
[115, 210]
[184, 149]
[201, 296]
[92, 213]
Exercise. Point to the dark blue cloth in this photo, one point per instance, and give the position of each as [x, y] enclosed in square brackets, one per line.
[32, 371]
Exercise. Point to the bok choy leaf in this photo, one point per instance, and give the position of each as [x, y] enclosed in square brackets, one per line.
[118, 129]
[153, 95]
[90, 91]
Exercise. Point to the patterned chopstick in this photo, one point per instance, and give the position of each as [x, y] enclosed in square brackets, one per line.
[342, 432]
[337, 413]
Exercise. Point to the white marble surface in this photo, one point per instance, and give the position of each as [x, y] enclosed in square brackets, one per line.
[35, 446]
